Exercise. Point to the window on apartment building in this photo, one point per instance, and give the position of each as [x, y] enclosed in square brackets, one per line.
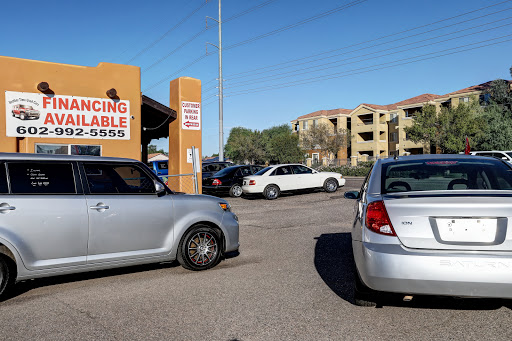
[393, 137]
[484, 99]
[393, 117]
[407, 137]
[410, 113]
[305, 125]
[315, 123]
[463, 99]
[68, 149]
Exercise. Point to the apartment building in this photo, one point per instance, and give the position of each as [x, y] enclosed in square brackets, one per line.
[377, 131]
[335, 119]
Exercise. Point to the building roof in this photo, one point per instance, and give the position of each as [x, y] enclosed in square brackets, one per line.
[413, 100]
[474, 88]
[331, 112]
[157, 157]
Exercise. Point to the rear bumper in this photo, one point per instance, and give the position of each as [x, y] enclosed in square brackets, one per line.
[216, 189]
[252, 189]
[393, 268]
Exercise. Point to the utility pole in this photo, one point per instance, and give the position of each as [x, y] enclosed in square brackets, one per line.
[221, 96]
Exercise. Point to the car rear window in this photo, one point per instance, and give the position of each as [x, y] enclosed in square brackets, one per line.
[226, 171]
[41, 178]
[263, 171]
[446, 174]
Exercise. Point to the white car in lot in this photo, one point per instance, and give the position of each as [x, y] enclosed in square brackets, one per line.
[273, 180]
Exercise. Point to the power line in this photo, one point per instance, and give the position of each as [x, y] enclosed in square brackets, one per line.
[376, 67]
[196, 36]
[369, 41]
[302, 22]
[145, 49]
[294, 73]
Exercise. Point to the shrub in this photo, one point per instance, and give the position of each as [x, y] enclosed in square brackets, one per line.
[361, 169]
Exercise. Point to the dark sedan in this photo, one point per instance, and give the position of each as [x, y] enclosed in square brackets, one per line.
[229, 180]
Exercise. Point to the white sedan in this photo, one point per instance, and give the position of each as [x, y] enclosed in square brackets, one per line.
[273, 180]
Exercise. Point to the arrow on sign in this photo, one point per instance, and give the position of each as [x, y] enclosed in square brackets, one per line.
[189, 124]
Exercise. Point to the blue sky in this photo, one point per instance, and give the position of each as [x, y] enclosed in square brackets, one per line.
[87, 33]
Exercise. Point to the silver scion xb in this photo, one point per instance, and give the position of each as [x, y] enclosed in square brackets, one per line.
[434, 224]
[65, 214]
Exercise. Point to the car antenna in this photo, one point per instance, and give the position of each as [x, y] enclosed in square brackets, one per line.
[396, 157]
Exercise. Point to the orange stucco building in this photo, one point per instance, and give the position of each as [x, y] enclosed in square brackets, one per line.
[69, 109]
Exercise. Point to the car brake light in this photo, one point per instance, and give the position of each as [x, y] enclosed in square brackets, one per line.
[252, 182]
[377, 219]
[216, 182]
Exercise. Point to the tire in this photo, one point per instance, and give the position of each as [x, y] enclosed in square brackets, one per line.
[271, 192]
[235, 191]
[331, 185]
[200, 249]
[6, 275]
[22, 116]
[363, 296]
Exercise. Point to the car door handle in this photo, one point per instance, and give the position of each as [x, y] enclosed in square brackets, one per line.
[7, 208]
[99, 206]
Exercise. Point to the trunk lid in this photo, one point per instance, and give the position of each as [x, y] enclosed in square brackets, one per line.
[452, 220]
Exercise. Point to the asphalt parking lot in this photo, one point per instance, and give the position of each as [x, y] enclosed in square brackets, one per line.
[291, 281]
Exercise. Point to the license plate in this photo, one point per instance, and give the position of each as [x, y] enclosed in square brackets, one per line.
[467, 230]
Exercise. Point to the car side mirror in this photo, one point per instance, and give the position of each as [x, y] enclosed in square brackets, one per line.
[159, 188]
[351, 195]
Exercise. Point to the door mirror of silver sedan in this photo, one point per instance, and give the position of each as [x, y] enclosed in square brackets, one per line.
[159, 188]
[352, 195]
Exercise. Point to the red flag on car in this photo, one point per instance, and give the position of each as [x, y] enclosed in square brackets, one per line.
[467, 149]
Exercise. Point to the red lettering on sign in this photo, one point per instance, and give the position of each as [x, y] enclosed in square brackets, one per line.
[46, 101]
[94, 106]
[83, 122]
[95, 122]
[122, 108]
[49, 119]
[63, 103]
[74, 105]
[122, 122]
[112, 124]
[104, 121]
[112, 107]
[86, 105]
[70, 120]
[61, 120]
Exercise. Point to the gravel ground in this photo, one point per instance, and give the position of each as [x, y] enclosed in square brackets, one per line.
[291, 281]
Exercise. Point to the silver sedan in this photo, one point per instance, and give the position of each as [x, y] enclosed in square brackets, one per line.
[434, 224]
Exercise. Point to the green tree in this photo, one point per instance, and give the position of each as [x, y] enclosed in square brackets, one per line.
[325, 139]
[152, 150]
[281, 145]
[425, 127]
[244, 145]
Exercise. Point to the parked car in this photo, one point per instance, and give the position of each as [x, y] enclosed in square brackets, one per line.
[434, 224]
[24, 112]
[229, 180]
[504, 155]
[210, 168]
[273, 180]
[63, 214]
[160, 167]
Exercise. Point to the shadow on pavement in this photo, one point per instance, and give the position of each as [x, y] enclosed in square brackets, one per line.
[25, 286]
[334, 263]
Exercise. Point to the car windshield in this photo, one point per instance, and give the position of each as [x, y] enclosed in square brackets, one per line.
[445, 174]
[225, 171]
[25, 106]
[263, 171]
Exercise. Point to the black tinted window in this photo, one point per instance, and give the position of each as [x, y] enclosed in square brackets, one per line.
[3, 179]
[41, 178]
[285, 170]
[114, 179]
[438, 175]
[299, 169]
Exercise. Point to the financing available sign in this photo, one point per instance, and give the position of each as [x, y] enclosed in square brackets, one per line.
[40, 115]
[191, 115]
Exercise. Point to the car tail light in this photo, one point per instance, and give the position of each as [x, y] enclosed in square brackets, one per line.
[216, 182]
[377, 219]
[252, 182]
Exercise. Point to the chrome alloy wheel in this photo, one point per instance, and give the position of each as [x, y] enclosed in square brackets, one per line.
[237, 190]
[272, 192]
[331, 186]
[202, 248]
